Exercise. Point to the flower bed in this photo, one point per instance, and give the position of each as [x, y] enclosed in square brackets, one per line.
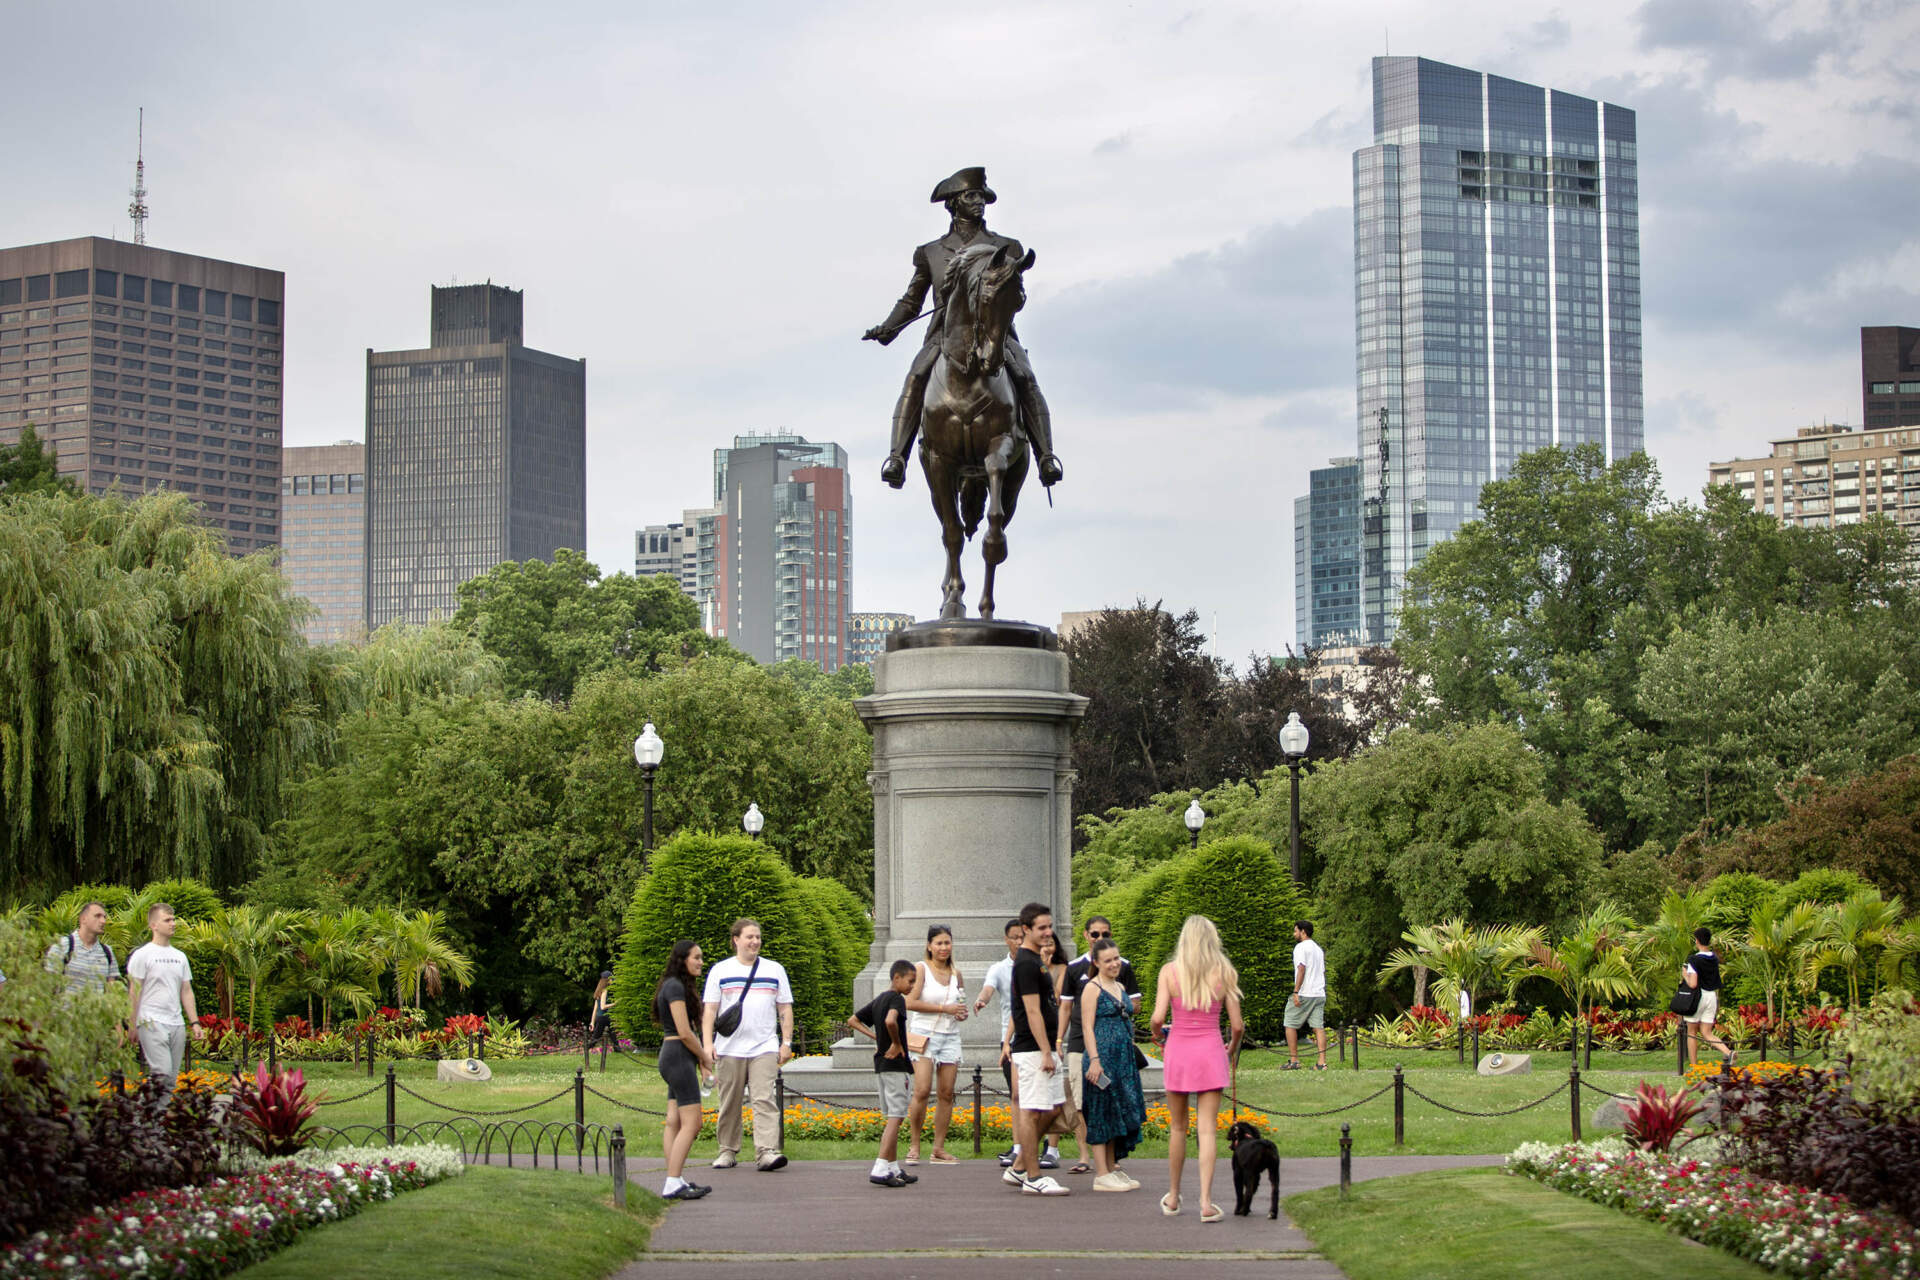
[1790, 1229]
[217, 1229]
[1769, 1069]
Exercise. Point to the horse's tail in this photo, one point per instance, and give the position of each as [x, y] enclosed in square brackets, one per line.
[973, 501]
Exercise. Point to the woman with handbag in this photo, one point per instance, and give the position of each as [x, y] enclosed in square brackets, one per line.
[1701, 975]
[936, 1006]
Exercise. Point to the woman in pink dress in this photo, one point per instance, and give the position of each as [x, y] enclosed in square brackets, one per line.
[1196, 983]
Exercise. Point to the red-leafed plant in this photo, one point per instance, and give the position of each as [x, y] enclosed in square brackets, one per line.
[466, 1024]
[1656, 1117]
[274, 1111]
[293, 1028]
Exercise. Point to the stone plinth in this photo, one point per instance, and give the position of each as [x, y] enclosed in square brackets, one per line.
[972, 799]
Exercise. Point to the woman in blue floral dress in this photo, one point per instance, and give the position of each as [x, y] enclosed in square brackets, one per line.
[1114, 1107]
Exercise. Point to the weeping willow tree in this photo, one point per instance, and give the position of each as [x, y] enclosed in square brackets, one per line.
[155, 694]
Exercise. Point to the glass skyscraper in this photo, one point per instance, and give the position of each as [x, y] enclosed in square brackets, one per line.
[1326, 558]
[1496, 298]
[476, 454]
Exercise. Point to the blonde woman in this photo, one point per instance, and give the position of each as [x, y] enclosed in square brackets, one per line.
[1194, 986]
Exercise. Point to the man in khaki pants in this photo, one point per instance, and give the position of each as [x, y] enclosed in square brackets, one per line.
[746, 1062]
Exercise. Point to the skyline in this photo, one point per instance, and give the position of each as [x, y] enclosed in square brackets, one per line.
[710, 209]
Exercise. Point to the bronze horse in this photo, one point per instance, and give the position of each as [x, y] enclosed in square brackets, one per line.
[972, 448]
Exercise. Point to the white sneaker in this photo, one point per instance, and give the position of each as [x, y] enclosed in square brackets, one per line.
[1013, 1178]
[1111, 1182]
[1133, 1183]
[1044, 1186]
[725, 1160]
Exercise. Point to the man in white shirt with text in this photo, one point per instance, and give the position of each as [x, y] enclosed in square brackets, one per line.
[747, 1062]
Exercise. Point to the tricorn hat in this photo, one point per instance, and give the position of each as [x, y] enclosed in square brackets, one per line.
[974, 179]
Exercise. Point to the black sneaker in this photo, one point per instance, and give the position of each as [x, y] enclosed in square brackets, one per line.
[687, 1192]
[1006, 1158]
[1049, 1159]
[910, 1177]
[890, 1180]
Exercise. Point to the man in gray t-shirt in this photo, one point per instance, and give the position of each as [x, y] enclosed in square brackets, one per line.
[83, 956]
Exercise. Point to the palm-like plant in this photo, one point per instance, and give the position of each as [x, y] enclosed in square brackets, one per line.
[1772, 949]
[422, 957]
[1660, 948]
[1462, 957]
[1899, 949]
[1594, 962]
[333, 964]
[1847, 933]
[248, 944]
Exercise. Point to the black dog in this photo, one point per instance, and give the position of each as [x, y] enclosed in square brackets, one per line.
[1252, 1156]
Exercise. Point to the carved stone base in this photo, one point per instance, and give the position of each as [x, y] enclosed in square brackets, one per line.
[972, 799]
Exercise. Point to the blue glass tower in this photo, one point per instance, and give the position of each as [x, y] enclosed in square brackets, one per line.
[1496, 298]
[1326, 558]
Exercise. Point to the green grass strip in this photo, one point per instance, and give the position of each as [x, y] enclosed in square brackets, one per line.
[486, 1222]
[1491, 1225]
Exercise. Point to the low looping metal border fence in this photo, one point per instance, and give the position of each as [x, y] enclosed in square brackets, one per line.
[480, 1142]
[1578, 1047]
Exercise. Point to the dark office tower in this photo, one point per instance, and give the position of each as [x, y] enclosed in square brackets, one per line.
[476, 454]
[780, 581]
[1890, 376]
[1326, 558]
[148, 369]
[1497, 298]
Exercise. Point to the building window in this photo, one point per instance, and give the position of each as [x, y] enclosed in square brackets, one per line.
[243, 308]
[70, 284]
[189, 298]
[133, 288]
[39, 288]
[1880, 388]
[215, 303]
[269, 311]
[106, 284]
[161, 293]
[302, 485]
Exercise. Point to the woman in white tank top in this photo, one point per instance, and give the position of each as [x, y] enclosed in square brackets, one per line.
[935, 1009]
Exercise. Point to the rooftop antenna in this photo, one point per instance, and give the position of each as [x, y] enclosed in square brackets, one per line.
[138, 209]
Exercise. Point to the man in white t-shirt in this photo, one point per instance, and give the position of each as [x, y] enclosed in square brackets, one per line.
[160, 1004]
[748, 1061]
[999, 980]
[1308, 1007]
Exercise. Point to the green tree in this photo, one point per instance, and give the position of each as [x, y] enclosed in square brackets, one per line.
[1593, 962]
[154, 695]
[1773, 947]
[249, 948]
[334, 962]
[422, 957]
[27, 466]
[1433, 825]
[552, 624]
[1460, 957]
[1848, 936]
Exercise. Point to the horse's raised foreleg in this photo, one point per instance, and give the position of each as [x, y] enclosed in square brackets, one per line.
[943, 482]
[993, 547]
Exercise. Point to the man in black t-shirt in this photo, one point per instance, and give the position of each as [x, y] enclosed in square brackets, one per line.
[1036, 1018]
[1073, 1038]
[884, 1018]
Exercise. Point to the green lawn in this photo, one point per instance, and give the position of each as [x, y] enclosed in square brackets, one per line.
[486, 1222]
[1489, 1225]
[1430, 1131]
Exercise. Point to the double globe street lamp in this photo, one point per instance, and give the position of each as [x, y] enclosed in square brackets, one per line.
[648, 750]
[1293, 745]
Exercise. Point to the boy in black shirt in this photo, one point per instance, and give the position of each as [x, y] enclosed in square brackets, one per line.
[884, 1021]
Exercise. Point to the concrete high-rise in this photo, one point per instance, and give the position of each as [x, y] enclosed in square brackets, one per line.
[867, 634]
[1326, 557]
[324, 536]
[1496, 294]
[476, 455]
[776, 557]
[145, 369]
[1890, 376]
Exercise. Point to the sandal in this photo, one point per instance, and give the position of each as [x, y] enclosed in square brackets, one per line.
[1082, 1167]
[1212, 1213]
[1170, 1212]
[942, 1157]
[912, 1159]
[1289, 1066]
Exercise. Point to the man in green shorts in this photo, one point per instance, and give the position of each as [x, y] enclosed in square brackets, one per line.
[1308, 1007]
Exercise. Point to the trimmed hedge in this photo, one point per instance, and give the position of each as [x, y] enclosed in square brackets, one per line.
[1239, 884]
[698, 885]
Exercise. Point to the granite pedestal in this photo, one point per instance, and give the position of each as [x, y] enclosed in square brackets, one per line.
[972, 801]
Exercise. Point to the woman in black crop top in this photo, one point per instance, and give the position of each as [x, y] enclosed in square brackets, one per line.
[1702, 972]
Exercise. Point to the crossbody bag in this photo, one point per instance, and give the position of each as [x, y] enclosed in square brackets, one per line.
[727, 1021]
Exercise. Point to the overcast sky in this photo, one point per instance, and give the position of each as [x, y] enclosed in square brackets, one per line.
[710, 202]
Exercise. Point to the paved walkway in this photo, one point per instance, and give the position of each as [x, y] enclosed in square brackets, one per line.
[820, 1219]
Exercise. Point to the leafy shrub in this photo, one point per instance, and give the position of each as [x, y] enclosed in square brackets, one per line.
[1810, 1129]
[275, 1111]
[1655, 1117]
[1882, 1044]
[698, 885]
[77, 1034]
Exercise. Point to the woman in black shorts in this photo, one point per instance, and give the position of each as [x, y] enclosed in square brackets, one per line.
[676, 1008]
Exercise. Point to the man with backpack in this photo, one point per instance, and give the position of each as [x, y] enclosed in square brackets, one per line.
[83, 956]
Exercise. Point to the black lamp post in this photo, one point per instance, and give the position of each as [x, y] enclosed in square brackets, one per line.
[1196, 819]
[753, 821]
[648, 749]
[1293, 744]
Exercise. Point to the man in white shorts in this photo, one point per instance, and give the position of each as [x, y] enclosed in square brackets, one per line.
[1041, 1082]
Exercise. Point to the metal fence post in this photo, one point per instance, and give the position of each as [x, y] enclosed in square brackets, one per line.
[1399, 1108]
[1356, 1044]
[1346, 1159]
[1460, 1041]
[369, 1040]
[780, 1106]
[118, 1080]
[392, 1101]
[619, 1163]
[1573, 1088]
[1680, 1047]
[579, 1111]
[1763, 1042]
[1589, 1057]
[1476, 1048]
[976, 1109]
[1340, 1035]
[273, 1053]
[483, 1046]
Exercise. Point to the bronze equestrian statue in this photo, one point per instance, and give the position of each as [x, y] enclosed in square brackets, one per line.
[970, 394]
